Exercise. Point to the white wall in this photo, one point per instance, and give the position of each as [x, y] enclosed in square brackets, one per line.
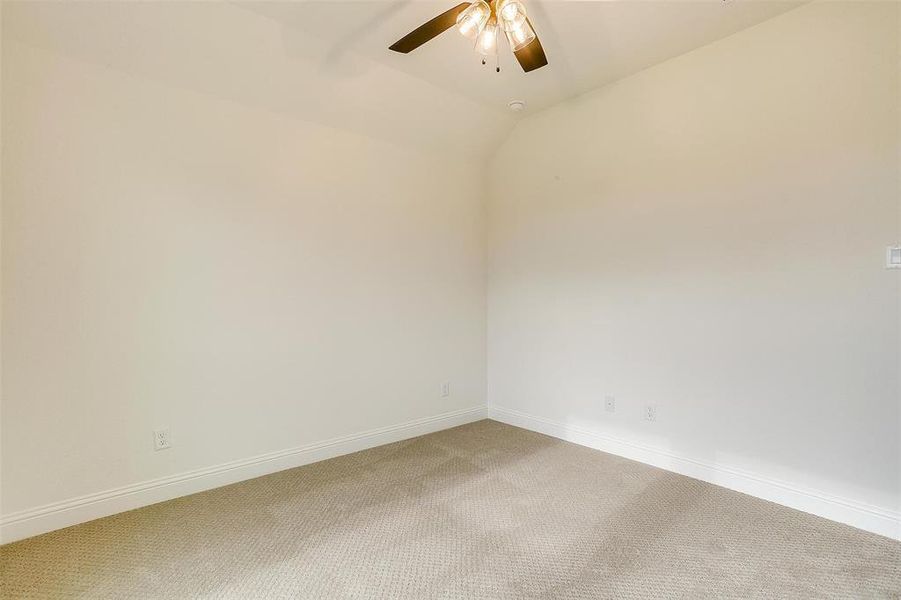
[253, 281]
[708, 236]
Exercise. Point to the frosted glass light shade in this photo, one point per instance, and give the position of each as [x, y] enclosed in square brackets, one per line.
[473, 19]
[511, 14]
[521, 36]
[487, 42]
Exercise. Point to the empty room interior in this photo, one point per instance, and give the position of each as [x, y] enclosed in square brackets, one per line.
[408, 300]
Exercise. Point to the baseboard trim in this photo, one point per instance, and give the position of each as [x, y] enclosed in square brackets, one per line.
[863, 516]
[28, 523]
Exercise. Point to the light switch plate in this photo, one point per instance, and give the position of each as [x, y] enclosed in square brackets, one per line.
[893, 257]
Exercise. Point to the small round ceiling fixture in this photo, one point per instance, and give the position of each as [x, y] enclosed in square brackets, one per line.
[516, 105]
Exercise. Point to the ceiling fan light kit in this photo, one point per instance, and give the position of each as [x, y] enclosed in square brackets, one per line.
[481, 21]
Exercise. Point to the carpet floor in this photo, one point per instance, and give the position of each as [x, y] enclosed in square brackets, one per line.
[483, 511]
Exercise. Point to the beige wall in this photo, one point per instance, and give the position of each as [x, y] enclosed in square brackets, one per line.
[708, 236]
[250, 280]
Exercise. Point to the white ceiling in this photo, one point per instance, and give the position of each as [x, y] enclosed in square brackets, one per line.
[588, 43]
[220, 49]
[328, 61]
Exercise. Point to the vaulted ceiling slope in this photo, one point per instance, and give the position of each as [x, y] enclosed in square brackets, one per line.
[589, 43]
[328, 62]
[222, 49]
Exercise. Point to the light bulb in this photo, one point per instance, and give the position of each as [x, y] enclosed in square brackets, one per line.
[521, 36]
[487, 42]
[471, 21]
[511, 14]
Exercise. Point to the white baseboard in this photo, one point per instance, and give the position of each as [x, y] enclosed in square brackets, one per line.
[46, 518]
[863, 516]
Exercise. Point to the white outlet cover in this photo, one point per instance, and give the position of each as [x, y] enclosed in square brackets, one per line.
[445, 389]
[162, 438]
[650, 413]
[610, 404]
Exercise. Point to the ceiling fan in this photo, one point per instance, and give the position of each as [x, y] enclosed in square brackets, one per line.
[481, 21]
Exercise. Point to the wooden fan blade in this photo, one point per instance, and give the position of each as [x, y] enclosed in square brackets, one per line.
[427, 31]
[532, 56]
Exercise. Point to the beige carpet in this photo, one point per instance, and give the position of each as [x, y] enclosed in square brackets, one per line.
[482, 511]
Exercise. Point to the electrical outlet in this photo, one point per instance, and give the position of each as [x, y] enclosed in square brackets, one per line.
[609, 403]
[650, 412]
[162, 439]
[445, 389]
